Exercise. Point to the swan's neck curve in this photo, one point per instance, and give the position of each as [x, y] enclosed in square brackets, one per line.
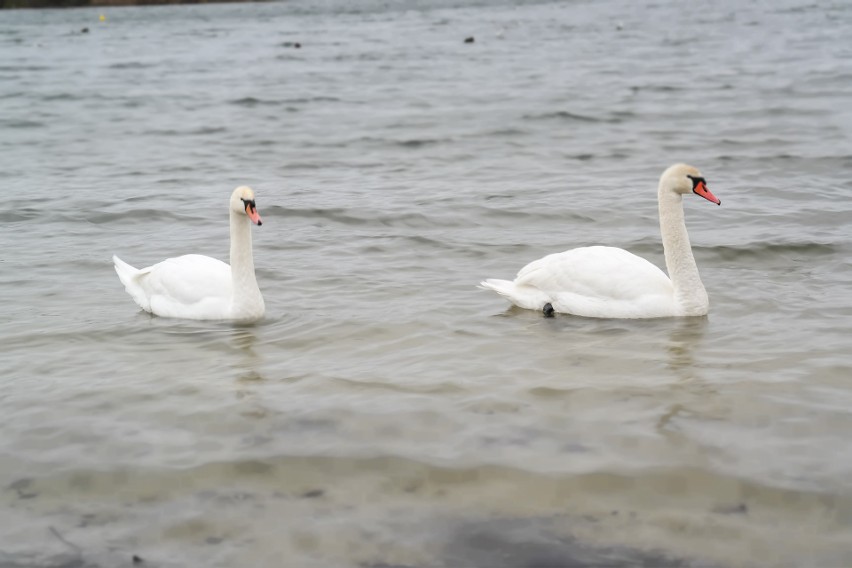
[247, 301]
[689, 293]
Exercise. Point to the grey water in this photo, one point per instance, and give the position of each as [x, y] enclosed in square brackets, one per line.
[386, 412]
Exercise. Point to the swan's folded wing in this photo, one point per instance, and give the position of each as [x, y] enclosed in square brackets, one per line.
[602, 273]
[188, 280]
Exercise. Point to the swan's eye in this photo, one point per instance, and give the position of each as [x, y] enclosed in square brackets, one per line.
[248, 202]
[696, 180]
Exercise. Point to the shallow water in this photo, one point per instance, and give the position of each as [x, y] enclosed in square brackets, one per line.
[386, 412]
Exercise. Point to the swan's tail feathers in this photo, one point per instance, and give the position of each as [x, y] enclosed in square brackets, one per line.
[502, 287]
[129, 277]
[522, 296]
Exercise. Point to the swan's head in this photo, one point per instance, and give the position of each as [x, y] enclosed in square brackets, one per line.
[242, 203]
[683, 179]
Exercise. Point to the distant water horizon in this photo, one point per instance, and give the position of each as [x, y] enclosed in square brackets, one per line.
[36, 4]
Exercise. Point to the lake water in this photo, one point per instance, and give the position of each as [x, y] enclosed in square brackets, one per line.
[386, 412]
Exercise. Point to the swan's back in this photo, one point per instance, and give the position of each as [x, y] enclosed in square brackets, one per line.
[598, 281]
[192, 286]
[601, 272]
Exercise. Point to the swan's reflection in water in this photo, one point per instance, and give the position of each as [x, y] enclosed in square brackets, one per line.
[692, 393]
[244, 340]
[248, 367]
[685, 336]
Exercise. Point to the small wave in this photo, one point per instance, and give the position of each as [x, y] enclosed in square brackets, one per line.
[496, 213]
[368, 57]
[19, 215]
[763, 250]
[562, 115]
[252, 102]
[409, 143]
[60, 97]
[416, 143]
[317, 99]
[206, 130]
[203, 131]
[421, 240]
[582, 157]
[803, 9]
[679, 41]
[778, 111]
[351, 218]
[840, 161]
[13, 68]
[21, 124]
[103, 217]
[130, 65]
[506, 133]
[138, 198]
[446, 388]
[332, 214]
[749, 143]
[656, 88]
[571, 117]
[780, 157]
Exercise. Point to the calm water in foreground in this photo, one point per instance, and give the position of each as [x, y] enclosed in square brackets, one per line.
[386, 412]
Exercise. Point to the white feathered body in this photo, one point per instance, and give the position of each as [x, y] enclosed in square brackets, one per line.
[199, 287]
[596, 281]
[192, 286]
[608, 282]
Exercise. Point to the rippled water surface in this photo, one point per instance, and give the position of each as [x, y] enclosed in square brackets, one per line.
[386, 412]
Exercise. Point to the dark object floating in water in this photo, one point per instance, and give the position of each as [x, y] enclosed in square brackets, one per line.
[548, 310]
[84, 31]
[312, 494]
[295, 44]
[468, 39]
[137, 559]
[213, 540]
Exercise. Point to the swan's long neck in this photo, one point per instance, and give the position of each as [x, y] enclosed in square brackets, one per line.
[247, 300]
[690, 295]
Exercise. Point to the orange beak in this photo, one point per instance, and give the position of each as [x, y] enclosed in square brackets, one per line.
[701, 189]
[251, 211]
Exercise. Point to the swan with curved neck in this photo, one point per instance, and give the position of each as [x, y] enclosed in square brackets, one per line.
[608, 282]
[200, 287]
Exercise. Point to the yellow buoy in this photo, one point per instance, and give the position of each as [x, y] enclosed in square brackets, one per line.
[102, 18]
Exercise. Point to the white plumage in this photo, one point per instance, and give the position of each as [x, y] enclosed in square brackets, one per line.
[200, 287]
[608, 282]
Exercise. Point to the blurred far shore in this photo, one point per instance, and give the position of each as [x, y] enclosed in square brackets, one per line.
[12, 4]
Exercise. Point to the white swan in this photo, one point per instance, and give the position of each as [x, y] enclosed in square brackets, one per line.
[199, 287]
[607, 282]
